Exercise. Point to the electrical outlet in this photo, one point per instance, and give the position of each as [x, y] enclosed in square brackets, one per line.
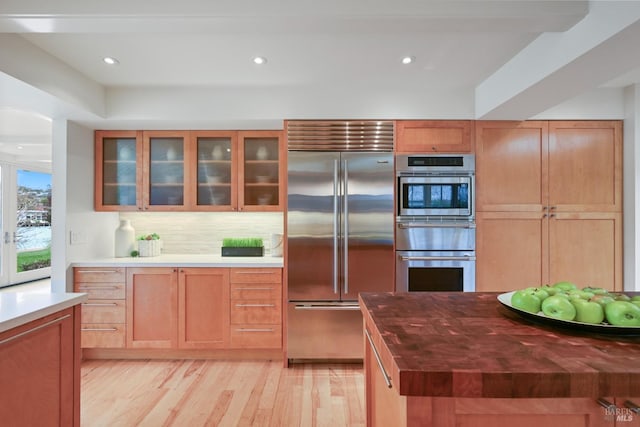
[77, 237]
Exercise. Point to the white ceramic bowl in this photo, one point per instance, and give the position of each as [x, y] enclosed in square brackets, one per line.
[214, 179]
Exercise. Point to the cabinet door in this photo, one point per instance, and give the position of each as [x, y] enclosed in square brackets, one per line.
[511, 250]
[39, 371]
[434, 136]
[165, 173]
[152, 307]
[585, 166]
[214, 157]
[118, 170]
[204, 308]
[261, 171]
[586, 249]
[511, 166]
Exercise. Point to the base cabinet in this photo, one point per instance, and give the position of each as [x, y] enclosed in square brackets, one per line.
[40, 372]
[178, 308]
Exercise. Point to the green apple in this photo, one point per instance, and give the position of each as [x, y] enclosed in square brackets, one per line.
[597, 291]
[635, 298]
[542, 294]
[622, 313]
[559, 308]
[636, 302]
[621, 297]
[588, 312]
[565, 286]
[580, 294]
[602, 299]
[526, 300]
[550, 289]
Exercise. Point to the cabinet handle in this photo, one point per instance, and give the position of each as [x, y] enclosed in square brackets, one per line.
[386, 377]
[552, 207]
[544, 215]
[255, 305]
[255, 289]
[97, 271]
[37, 328]
[605, 403]
[632, 406]
[100, 304]
[99, 329]
[254, 272]
[96, 287]
[254, 330]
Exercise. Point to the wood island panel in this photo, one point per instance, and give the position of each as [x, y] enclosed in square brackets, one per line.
[469, 345]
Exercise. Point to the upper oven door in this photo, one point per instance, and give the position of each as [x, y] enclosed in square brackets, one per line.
[442, 196]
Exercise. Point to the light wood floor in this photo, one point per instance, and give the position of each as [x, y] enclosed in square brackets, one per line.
[195, 393]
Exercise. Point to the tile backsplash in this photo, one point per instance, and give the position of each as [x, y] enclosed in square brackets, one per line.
[202, 232]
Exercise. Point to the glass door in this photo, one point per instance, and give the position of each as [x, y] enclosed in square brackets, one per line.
[166, 177]
[26, 225]
[260, 168]
[215, 171]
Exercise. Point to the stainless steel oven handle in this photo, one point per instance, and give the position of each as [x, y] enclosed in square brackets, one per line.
[435, 225]
[437, 258]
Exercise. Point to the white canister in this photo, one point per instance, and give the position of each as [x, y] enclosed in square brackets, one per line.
[125, 239]
[277, 243]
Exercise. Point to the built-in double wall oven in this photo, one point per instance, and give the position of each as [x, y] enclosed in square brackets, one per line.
[435, 223]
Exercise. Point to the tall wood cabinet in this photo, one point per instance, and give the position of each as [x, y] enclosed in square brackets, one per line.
[548, 203]
[189, 170]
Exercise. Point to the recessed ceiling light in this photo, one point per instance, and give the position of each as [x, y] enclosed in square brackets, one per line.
[259, 60]
[407, 60]
[20, 147]
[110, 60]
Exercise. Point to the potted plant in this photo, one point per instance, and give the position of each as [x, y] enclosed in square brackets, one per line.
[149, 245]
[248, 246]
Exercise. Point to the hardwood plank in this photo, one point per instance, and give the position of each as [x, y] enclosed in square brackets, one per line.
[220, 393]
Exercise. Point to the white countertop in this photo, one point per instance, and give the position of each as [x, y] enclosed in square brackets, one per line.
[18, 308]
[183, 260]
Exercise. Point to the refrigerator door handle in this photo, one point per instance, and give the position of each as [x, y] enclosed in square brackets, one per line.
[335, 227]
[345, 237]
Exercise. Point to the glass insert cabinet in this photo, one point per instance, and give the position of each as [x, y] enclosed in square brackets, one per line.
[189, 170]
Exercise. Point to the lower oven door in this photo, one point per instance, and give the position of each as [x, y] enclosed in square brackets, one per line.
[435, 271]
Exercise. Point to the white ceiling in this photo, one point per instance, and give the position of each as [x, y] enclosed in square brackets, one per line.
[333, 47]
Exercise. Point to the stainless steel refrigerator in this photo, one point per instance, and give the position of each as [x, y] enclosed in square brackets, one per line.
[340, 224]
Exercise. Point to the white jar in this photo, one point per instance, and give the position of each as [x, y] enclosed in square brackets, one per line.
[125, 239]
[262, 153]
[172, 153]
[217, 153]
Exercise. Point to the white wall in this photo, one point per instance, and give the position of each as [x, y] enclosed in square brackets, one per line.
[631, 166]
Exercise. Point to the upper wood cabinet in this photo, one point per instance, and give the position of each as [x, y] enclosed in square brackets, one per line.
[189, 170]
[563, 166]
[118, 170]
[434, 136]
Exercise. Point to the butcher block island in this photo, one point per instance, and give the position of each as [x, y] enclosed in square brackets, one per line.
[462, 359]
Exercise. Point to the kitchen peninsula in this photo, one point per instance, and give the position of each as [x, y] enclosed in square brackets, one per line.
[445, 359]
[40, 358]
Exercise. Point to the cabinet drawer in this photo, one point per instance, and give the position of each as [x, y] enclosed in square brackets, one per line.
[98, 275]
[256, 312]
[103, 335]
[256, 275]
[116, 290]
[256, 291]
[103, 311]
[252, 336]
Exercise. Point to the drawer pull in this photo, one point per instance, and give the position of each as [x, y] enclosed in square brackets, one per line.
[255, 305]
[37, 328]
[100, 304]
[386, 377]
[255, 289]
[99, 329]
[632, 406]
[605, 403]
[97, 271]
[254, 330]
[255, 272]
[96, 287]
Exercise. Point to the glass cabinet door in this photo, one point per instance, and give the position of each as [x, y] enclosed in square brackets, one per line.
[166, 174]
[215, 171]
[119, 155]
[260, 170]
